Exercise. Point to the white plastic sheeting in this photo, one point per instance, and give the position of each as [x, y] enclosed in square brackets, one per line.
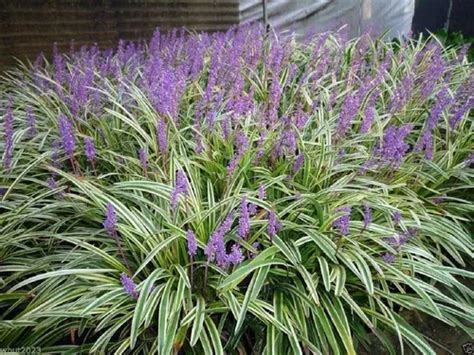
[308, 16]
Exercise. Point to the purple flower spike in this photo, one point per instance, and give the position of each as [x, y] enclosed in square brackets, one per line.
[261, 192]
[52, 183]
[161, 137]
[8, 134]
[143, 156]
[460, 112]
[235, 257]
[298, 163]
[192, 244]
[128, 285]
[369, 113]
[367, 215]
[392, 149]
[242, 143]
[348, 112]
[244, 220]
[388, 258]
[425, 143]
[274, 225]
[180, 189]
[342, 222]
[110, 222]
[89, 149]
[442, 101]
[252, 209]
[67, 135]
[215, 248]
[397, 218]
[398, 240]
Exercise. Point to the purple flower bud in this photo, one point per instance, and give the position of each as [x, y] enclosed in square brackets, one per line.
[458, 114]
[367, 215]
[392, 148]
[402, 93]
[349, 110]
[274, 225]
[434, 72]
[52, 183]
[235, 257]
[289, 140]
[342, 222]
[233, 165]
[215, 248]
[161, 136]
[89, 149]
[425, 143]
[244, 219]
[181, 188]
[397, 218]
[31, 122]
[252, 209]
[110, 222]
[242, 143]
[67, 135]
[143, 156]
[55, 153]
[128, 285]
[298, 163]
[442, 101]
[369, 113]
[301, 118]
[398, 240]
[388, 258]
[192, 244]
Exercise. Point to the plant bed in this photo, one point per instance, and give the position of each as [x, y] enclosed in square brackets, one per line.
[236, 192]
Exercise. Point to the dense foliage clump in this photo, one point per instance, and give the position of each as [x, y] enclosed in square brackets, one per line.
[236, 192]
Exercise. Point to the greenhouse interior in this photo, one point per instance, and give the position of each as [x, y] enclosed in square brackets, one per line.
[236, 177]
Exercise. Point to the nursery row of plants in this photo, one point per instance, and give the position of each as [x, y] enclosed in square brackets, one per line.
[236, 193]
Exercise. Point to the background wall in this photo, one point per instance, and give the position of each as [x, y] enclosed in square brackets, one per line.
[453, 15]
[28, 27]
[305, 16]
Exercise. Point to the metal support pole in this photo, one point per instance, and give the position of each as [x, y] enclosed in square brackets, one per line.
[265, 15]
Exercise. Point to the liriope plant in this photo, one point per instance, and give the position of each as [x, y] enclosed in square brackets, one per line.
[239, 192]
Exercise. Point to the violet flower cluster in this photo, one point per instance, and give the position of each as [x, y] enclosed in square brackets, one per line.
[216, 247]
[341, 223]
[110, 222]
[181, 188]
[89, 149]
[67, 135]
[192, 243]
[219, 98]
[129, 285]
[244, 219]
